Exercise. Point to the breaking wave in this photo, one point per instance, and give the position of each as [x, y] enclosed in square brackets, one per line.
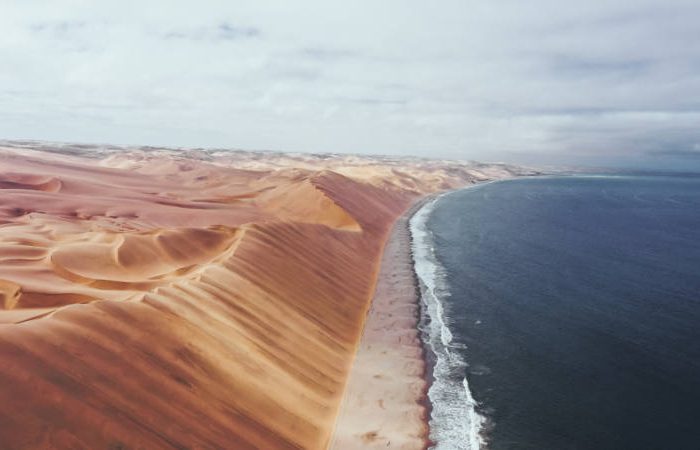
[455, 423]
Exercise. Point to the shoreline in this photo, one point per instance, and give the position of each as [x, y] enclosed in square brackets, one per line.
[426, 352]
[356, 426]
[443, 396]
[386, 404]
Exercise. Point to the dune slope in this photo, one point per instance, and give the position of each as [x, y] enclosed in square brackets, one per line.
[147, 309]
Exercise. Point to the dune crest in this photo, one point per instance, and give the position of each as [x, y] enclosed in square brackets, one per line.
[302, 201]
[142, 256]
[9, 294]
[29, 181]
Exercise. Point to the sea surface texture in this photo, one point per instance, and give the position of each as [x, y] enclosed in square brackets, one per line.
[563, 313]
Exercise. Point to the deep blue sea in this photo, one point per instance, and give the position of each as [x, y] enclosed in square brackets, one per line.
[563, 313]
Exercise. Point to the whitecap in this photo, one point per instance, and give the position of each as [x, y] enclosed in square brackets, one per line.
[455, 423]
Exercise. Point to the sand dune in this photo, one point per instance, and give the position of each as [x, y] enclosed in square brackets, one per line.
[303, 201]
[30, 182]
[162, 299]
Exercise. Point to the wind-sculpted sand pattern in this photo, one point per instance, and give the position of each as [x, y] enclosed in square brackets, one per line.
[164, 299]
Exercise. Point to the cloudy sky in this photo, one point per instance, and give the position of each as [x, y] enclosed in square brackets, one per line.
[550, 81]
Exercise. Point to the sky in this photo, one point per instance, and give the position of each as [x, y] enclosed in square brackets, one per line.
[601, 82]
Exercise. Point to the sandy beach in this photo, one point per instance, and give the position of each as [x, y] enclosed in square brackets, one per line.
[384, 400]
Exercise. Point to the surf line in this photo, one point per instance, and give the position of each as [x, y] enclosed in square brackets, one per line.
[455, 423]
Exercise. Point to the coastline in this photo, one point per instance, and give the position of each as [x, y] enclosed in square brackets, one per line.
[455, 421]
[366, 419]
[385, 404]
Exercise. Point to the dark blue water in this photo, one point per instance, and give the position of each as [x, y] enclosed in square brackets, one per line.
[575, 303]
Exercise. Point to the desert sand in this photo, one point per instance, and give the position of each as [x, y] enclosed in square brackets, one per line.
[183, 298]
[384, 402]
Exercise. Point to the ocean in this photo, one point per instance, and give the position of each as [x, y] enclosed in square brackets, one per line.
[563, 313]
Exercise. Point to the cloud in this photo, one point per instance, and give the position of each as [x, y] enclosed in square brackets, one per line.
[544, 79]
[58, 28]
[221, 32]
[326, 54]
[682, 150]
[570, 66]
[684, 154]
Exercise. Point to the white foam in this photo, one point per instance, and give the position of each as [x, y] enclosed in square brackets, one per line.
[455, 423]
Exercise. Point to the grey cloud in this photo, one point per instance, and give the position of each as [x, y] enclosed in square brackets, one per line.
[679, 150]
[588, 112]
[57, 29]
[684, 154]
[221, 32]
[228, 31]
[572, 66]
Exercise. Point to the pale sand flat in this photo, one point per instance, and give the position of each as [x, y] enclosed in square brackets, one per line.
[383, 404]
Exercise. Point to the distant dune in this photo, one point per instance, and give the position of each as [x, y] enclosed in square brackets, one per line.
[192, 299]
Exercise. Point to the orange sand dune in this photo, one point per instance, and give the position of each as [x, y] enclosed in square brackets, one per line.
[164, 299]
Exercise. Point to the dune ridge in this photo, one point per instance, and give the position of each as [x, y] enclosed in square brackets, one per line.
[184, 299]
